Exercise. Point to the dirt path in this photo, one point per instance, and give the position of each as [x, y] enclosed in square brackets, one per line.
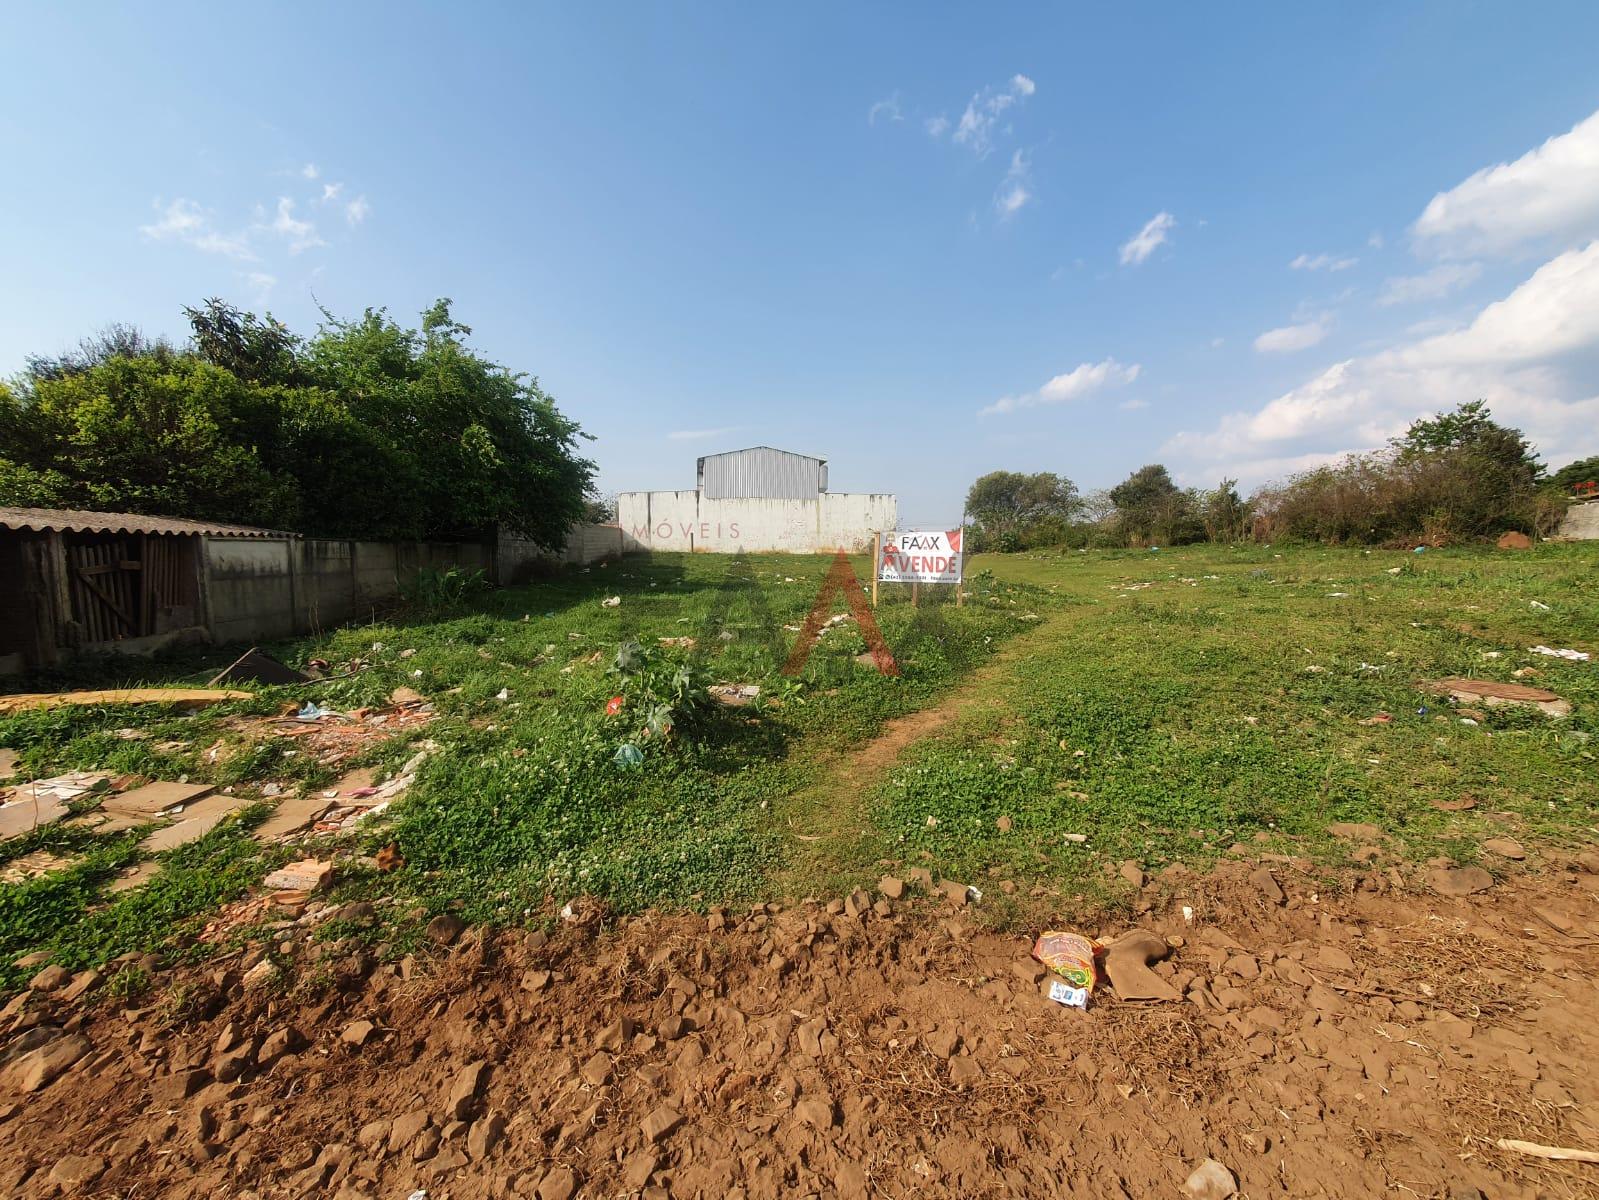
[1370, 1040]
[826, 817]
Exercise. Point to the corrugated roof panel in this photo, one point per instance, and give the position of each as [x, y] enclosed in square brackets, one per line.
[764, 472]
[68, 520]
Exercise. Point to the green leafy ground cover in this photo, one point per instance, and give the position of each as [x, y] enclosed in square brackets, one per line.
[523, 799]
[1163, 706]
[1194, 699]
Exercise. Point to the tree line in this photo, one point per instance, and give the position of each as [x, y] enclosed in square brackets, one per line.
[365, 429]
[1455, 476]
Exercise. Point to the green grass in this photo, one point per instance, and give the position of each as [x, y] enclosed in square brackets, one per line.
[1224, 701]
[522, 802]
[1165, 705]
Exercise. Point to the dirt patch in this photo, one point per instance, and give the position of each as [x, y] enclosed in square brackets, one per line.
[1331, 1045]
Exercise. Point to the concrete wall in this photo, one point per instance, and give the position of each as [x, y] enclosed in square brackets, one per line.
[258, 589]
[691, 521]
[1581, 522]
[516, 559]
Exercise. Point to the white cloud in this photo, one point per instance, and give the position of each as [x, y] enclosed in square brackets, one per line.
[1429, 285]
[185, 221]
[1133, 405]
[330, 191]
[357, 210]
[310, 171]
[1081, 381]
[1548, 195]
[887, 108]
[937, 126]
[691, 435]
[1554, 313]
[1292, 338]
[1147, 240]
[1322, 262]
[1217, 343]
[299, 234]
[1375, 241]
[975, 128]
[1533, 356]
[1017, 188]
[261, 285]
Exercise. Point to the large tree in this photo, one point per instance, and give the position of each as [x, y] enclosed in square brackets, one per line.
[1006, 502]
[366, 429]
[1150, 507]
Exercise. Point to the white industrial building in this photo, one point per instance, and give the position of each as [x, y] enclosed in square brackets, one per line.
[760, 498]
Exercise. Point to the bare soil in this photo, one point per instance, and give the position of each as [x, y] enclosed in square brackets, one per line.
[1371, 1039]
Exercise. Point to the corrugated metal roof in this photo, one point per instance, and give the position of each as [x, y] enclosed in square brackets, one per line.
[762, 471]
[67, 520]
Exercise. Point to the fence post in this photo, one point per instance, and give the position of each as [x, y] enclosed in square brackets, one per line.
[877, 557]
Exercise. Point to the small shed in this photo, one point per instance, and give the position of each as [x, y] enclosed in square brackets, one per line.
[74, 580]
[761, 472]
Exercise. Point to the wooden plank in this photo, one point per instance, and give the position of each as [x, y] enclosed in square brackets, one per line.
[194, 824]
[291, 816]
[146, 609]
[55, 563]
[105, 598]
[153, 797]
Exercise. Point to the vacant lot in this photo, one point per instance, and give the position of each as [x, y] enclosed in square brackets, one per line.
[1082, 710]
[1091, 739]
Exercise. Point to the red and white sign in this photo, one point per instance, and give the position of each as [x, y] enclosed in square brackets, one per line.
[920, 556]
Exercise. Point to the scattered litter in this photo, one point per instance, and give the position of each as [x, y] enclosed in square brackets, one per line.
[683, 643]
[628, 755]
[254, 666]
[611, 602]
[312, 711]
[1337, 595]
[503, 694]
[1062, 992]
[1540, 606]
[44, 801]
[404, 697]
[614, 705]
[1493, 694]
[1210, 1180]
[1073, 957]
[1568, 655]
[1381, 718]
[1560, 1153]
[1127, 963]
[307, 875]
[735, 694]
[184, 696]
[1370, 667]
[1395, 570]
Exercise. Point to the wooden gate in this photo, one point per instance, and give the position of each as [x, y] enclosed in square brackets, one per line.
[129, 585]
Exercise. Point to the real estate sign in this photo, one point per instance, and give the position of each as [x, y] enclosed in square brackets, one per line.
[920, 556]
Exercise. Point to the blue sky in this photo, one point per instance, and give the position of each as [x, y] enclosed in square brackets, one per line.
[922, 242]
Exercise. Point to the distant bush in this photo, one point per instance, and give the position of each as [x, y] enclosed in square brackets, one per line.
[1453, 477]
